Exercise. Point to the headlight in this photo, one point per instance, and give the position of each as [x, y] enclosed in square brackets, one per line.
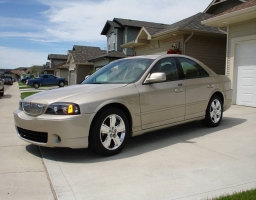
[63, 109]
[20, 105]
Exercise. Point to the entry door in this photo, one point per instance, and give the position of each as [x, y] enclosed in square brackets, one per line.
[246, 74]
[162, 103]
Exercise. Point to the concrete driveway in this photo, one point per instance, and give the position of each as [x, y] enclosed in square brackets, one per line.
[184, 162]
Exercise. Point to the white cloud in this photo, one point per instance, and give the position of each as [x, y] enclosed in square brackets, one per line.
[84, 20]
[81, 22]
[12, 58]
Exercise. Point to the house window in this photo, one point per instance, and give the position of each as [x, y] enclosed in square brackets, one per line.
[112, 42]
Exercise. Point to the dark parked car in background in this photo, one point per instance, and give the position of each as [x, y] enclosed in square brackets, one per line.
[23, 80]
[8, 81]
[1, 87]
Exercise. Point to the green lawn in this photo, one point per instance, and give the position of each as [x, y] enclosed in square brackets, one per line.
[24, 87]
[26, 94]
[246, 195]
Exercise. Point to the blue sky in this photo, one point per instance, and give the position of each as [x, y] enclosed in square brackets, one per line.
[32, 29]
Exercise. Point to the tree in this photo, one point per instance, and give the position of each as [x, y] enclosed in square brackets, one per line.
[34, 71]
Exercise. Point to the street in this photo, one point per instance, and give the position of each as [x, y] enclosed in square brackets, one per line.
[184, 162]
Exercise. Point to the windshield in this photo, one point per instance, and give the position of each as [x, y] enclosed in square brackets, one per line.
[120, 71]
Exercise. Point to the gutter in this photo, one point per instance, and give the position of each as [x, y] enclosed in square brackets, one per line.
[222, 30]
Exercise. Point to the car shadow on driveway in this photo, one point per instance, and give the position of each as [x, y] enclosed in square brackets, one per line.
[6, 96]
[141, 144]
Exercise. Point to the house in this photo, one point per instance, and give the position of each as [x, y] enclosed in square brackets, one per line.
[120, 31]
[55, 60]
[61, 70]
[106, 58]
[240, 23]
[78, 62]
[188, 37]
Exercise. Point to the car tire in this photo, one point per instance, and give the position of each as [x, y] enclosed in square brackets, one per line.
[108, 137]
[213, 114]
[2, 93]
[61, 84]
[36, 85]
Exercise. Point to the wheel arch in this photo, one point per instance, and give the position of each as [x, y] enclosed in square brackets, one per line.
[220, 95]
[118, 105]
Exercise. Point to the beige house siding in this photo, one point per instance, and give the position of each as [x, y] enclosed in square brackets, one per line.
[100, 63]
[241, 29]
[211, 51]
[82, 71]
[72, 65]
[64, 73]
[158, 46]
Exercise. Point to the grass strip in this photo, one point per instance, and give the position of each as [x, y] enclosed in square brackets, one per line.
[245, 195]
[26, 94]
[24, 87]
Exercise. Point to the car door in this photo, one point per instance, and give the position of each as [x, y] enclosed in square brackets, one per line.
[164, 102]
[199, 87]
[45, 80]
[52, 80]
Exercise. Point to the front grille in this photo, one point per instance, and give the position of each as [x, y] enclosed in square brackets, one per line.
[33, 135]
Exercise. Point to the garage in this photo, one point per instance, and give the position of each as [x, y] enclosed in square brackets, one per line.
[246, 73]
[72, 80]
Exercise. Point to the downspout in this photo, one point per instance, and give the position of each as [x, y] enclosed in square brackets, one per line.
[222, 30]
[186, 42]
[227, 50]
[227, 53]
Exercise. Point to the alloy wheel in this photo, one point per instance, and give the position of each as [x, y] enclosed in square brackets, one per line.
[112, 132]
[215, 111]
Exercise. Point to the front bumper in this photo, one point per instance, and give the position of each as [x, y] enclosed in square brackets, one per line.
[62, 130]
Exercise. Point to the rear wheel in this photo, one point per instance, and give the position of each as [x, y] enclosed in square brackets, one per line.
[109, 132]
[213, 115]
[61, 84]
[36, 85]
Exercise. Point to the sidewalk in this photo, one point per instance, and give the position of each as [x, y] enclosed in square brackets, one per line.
[22, 171]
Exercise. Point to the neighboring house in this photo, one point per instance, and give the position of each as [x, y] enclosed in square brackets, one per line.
[62, 70]
[106, 58]
[48, 71]
[188, 37]
[56, 59]
[78, 62]
[120, 31]
[240, 22]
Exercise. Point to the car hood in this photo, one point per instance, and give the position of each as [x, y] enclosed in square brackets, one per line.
[70, 93]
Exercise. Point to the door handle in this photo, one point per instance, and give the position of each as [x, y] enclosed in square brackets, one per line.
[210, 86]
[177, 90]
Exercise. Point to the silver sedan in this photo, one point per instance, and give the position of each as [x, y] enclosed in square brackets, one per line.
[127, 97]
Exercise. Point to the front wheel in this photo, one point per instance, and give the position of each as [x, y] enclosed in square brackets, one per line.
[213, 114]
[109, 132]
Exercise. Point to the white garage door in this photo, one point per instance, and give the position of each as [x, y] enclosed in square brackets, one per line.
[246, 77]
[72, 78]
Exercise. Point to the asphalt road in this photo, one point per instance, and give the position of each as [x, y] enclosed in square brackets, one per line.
[183, 162]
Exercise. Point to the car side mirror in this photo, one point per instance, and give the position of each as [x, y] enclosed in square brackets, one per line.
[156, 77]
